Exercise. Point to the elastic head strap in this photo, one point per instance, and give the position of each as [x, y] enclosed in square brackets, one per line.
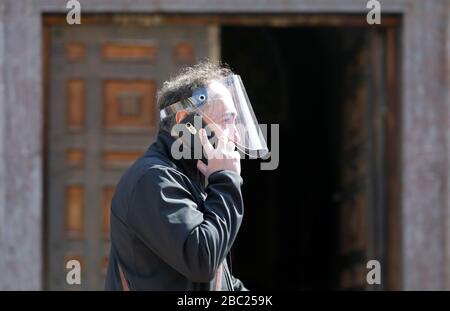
[199, 97]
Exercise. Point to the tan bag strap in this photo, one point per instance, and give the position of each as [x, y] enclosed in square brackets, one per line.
[219, 274]
[125, 286]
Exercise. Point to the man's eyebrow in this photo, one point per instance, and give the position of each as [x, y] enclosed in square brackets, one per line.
[229, 114]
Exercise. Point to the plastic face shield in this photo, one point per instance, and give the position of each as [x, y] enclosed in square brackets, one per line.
[225, 107]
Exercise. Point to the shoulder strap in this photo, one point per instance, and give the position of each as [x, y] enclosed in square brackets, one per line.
[219, 273]
[123, 280]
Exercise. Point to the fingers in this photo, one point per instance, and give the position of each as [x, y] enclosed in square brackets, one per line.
[202, 167]
[230, 146]
[225, 147]
[205, 143]
[222, 142]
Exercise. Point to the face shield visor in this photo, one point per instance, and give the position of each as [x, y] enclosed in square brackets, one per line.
[225, 107]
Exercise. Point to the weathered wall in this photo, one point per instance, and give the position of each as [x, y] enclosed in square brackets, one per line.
[424, 141]
[2, 124]
[447, 130]
[21, 145]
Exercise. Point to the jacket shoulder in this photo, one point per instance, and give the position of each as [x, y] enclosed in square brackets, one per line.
[151, 171]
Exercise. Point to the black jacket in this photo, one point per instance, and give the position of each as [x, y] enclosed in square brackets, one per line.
[168, 231]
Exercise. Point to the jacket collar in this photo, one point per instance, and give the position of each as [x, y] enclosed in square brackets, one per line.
[162, 148]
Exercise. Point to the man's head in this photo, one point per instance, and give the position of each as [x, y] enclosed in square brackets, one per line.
[182, 86]
[219, 97]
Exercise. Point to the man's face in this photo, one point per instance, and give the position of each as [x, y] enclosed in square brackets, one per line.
[221, 111]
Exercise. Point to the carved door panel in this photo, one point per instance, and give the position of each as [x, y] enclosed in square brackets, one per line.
[102, 115]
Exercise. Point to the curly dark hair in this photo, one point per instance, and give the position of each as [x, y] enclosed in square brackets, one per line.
[184, 83]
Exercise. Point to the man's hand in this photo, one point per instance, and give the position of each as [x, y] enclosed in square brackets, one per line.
[224, 157]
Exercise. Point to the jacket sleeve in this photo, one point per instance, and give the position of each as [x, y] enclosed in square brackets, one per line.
[164, 215]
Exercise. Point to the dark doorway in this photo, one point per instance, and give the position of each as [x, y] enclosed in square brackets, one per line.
[290, 237]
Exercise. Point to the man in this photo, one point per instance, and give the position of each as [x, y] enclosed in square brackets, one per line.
[168, 230]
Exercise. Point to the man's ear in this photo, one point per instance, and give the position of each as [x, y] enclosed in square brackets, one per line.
[180, 115]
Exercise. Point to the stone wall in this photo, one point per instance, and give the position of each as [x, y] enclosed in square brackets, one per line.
[424, 141]
[20, 147]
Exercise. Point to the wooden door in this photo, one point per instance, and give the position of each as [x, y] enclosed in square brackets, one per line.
[102, 115]
[362, 204]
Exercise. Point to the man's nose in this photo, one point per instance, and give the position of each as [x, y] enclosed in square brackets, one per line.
[236, 137]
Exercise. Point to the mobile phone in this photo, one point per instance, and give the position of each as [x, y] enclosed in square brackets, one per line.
[191, 136]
